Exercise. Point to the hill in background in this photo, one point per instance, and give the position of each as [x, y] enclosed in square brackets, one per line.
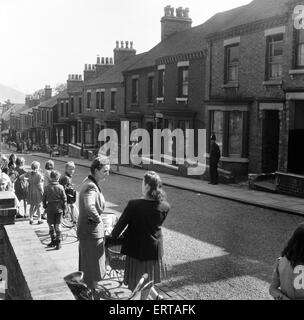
[13, 95]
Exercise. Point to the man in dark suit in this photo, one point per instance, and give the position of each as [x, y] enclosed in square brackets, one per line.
[215, 156]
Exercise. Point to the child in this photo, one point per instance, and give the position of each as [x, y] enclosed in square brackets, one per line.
[66, 182]
[286, 276]
[55, 203]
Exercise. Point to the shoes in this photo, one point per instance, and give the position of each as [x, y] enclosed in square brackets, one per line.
[52, 244]
[31, 222]
[40, 222]
[19, 216]
[58, 245]
[43, 217]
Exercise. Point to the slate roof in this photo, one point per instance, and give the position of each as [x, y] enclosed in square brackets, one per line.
[114, 75]
[16, 109]
[194, 39]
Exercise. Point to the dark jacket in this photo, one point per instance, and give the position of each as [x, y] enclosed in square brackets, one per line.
[215, 154]
[143, 239]
[54, 198]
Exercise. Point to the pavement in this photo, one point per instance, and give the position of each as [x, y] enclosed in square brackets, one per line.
[265, 200]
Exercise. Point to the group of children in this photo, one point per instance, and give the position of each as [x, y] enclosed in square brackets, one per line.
[50, 190]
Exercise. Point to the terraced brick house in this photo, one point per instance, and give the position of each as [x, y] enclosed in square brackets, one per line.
[256, 91]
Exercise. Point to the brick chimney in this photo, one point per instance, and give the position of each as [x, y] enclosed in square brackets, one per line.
[47, 93]
[74, 82]
[124, 51]
[171, 23]
[89, 72]
[103, 64]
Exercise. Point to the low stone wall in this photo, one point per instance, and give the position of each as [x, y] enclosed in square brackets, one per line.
[290, 184]
[31, 274]
[74, 151]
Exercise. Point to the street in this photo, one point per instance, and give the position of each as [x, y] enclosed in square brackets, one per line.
[214, 248]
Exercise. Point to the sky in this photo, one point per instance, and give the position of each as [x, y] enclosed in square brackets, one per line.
[43, 41]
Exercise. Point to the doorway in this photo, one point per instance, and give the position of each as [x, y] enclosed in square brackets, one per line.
[296, 138]
[270, 141]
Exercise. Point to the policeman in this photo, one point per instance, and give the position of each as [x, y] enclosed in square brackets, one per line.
[215, 156]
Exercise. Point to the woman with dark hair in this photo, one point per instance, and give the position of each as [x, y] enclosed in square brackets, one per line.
[21, 186]
[143, 239]
[286, 276]
[90, 228]
[12, 162]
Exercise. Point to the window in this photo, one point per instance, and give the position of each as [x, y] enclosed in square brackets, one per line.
[134, 90]
[72, 104]
[67, 109]
[183, 84]
[48, 117]
[61, 109]
[89, 100]
[97, 100]
[274, 56]
[113, 100]
[87, 133]
[300, 48]
[150, 89]
[232, 63]
[102, 100]
[228, 126]
[235, 133]
[217, 127]
[161, 83]
[80, 104]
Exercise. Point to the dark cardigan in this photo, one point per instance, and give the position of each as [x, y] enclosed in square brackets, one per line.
[143, 239]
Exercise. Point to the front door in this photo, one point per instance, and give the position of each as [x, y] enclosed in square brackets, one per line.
[296, 138]
[271, 139]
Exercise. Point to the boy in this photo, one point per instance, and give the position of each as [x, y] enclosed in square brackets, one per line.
[66, 182]
[55, 203]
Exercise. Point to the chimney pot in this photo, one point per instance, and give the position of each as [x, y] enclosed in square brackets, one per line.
[80, 77]
[103, 60]
[107, 60]
[127, 44]
[186, 12]
[98, 59]
[167, 11]
[111, 60]
[179, 12]
[172, 12]
[131, 44]
[121, 44]
[117, 44]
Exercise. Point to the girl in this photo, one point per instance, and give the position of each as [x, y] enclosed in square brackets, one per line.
[35, 179]
[143, 239]
[285, 276]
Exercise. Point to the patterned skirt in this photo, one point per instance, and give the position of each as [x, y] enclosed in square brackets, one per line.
[135, 269]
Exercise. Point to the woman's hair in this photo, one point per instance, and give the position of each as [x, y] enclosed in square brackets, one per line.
[156, 191]
[20, 162]
[294, 250]
[11, 157]
[99, 163]
[49, 165]
[35, 165]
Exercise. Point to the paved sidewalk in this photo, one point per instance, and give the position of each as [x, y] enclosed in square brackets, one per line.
[260, 199]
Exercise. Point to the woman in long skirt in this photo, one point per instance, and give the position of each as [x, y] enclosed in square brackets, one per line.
[143, 239]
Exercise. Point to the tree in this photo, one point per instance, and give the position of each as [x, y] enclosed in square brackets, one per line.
[60, 88]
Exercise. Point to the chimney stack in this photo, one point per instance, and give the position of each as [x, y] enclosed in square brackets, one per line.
[171, 24]
[74, 82]
[47, 93]
[125, 51]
